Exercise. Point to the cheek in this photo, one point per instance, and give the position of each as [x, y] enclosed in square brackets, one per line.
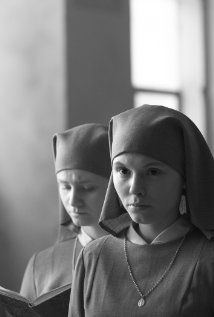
[166, 192]
[64, 201]
[116, 184]
[63, 196]
[95, 199]
[94, 203]
[122, 190]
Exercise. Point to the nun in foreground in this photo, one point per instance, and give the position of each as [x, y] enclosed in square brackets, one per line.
[82, 166]
[159, 209]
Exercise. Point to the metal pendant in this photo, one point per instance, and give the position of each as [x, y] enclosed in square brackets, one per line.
[141, 302]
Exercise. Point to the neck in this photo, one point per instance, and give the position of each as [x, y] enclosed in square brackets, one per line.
[94, 232]
[150, 231]
[146, 232]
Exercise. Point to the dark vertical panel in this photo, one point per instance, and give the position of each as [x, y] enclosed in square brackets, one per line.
[208, 90]
[207, 62]
[98, 61]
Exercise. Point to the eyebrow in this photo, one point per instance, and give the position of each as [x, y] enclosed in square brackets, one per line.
[61, 181]
[155, 163]
[160, 164]
[79, 182]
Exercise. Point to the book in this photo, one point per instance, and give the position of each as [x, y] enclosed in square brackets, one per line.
[52, 304]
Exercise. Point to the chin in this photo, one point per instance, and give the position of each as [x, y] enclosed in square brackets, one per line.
[136, 219]
[141, 220]
[77, 223]
[83, 222]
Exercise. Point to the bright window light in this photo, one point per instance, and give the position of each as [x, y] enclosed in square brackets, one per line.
[154, 27]
[141, 98]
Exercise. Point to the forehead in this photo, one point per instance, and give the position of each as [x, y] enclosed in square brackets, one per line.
[138, 160]
[78, 176]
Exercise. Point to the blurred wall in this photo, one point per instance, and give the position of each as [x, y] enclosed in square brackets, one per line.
[209, 59]
[98, 60]
[32, 108]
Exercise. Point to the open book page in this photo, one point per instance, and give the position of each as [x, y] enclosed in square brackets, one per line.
[53, 293]
[13, 305]
[52, 304]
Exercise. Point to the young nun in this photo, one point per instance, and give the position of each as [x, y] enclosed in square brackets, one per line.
[157, 262]
[82, 166]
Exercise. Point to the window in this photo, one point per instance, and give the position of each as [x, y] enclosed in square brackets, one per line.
[167, 55]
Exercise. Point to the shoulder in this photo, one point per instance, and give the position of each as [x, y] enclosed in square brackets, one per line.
[105, 245]
[29, 270]
[205, 262]
[207, 252]
[58, 248]
[95, 245]
[203, 271]
[205, 245]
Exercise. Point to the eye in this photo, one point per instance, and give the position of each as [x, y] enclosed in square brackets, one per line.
[123, 171]
[153, 171]
[88, 188]
[65, 186]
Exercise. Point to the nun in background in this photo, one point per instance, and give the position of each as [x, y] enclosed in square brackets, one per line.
[157, 261]
[82, 166]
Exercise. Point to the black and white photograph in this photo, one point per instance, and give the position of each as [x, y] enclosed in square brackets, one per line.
[107, 169]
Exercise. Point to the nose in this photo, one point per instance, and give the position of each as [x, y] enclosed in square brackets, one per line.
[137, 186]
[74, 198]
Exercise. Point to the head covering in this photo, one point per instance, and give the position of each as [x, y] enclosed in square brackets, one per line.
[171, 137]
[83, 147]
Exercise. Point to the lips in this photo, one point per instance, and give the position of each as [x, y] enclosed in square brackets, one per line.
[76, 211]
[138, 205]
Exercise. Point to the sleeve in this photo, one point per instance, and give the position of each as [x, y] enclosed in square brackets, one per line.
[203, 280]
[28, 287]
[208, 274]
[76, 305]
[4, 312]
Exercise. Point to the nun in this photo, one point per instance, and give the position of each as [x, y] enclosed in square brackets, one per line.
[159, 210]
[82, 167]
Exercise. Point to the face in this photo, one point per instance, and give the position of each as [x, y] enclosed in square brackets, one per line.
[82, 194]
[149, 190]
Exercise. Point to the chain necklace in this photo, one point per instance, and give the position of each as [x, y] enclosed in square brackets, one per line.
[142, 300]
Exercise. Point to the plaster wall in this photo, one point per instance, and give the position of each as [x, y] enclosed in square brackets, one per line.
[32, 104]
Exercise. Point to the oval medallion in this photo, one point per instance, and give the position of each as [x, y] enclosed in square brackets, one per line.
[141, 302]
